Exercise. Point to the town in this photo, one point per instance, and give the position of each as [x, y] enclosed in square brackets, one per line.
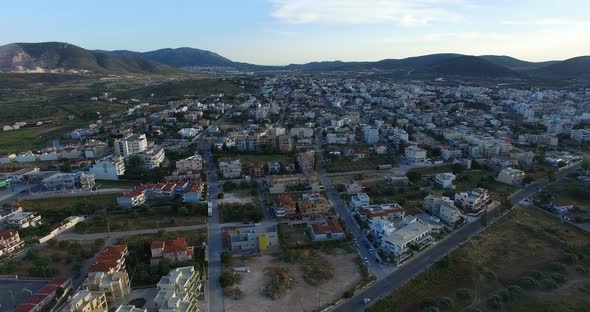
[187, 206]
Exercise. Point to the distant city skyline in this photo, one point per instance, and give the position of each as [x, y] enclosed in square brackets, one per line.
[278, 32]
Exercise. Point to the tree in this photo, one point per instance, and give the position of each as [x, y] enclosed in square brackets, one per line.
[66, 166]
[464, 294]
[183, 211]
[586, 164]
[528, 179]
[551, 174]
[457, 168]
[226, 258]
[220, 195]
[414, 176]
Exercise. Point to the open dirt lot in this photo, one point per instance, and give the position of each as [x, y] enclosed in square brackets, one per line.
[237, 198]
[303, 297]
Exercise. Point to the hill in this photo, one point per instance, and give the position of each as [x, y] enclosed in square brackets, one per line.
[571, 68]
[514, 63]
[181, 57]
[59, 56]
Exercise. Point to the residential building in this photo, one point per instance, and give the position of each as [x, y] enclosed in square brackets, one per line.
[114, 285]
[445, 180]
[195, 192]
[580, 135]
[111, 259]
[397, 243]
[152, 158]
[69, 181]
[306, 162]
[130, 308]
[511, 176]
[415, 154]
[23, 220]
[390, 211]
[449, 152]
[43, 298]
[330, 229]
[10, 242]
[284, 206]
[87, 301]
[433, 203]
[176, 250]
[131, 144]
[473, 201]
[179, 290]
[192, 164]
[252, 238]
[561, 206]
[449, 214]
[108, 168]
[371, 134]
[284, 143]
[359, 200]
[353, 187]
[135, 197]
[314, 205]
[230, 168]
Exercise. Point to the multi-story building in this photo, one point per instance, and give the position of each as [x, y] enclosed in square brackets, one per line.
[23, 220]
[397, 242]
[131, 144]
[445, 180]
[306, 162]
[176, 250]
[449, 214]
[193, 164]
[10, 242]
[108, 168]
[474, 201]
[284, 143]
[314, 205]
[415, 154]
[253, 238]
[390, 211]
[114, 285]
[284, 206]
[194, 194]
[433, 203]
[359, 200]
[580, 135]
[130, 308]
[511, 176]
[152, 158]
[69, 181]
[110, 260]
[133, 198]
[230, 168]
[87, 301]
[178, 291]
[371, 135]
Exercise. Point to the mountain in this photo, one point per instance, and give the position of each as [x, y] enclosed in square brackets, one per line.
[59, 56]
[514, 63]
[181, 57]
[570, 68]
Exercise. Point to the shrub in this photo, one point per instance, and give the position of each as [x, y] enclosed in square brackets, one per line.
[464, 294]
[51, 242]
[515, 290]
[570, 258]
[494, 302]
[582, 269]
[489, 275]
[557, 267]
[445, 303]
[549, 284]
[472, 310]
[538, 275]
[558, 278]
[227, 258]
[233, 293]
[348, 294]
[431, 309]
[528, 283]
[228, 279]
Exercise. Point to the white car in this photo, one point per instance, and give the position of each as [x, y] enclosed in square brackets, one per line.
[366, 300]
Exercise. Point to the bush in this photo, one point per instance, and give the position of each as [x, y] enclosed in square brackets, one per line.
[538, 275]
[52, 242]
[431, 309]
[227, 258]
[557, 267]
[528, 283]
[494, 302]
[472, 310]
[505, 295]
[233, 293]
[558, 278]
[348, 294]
[515, 290]
[570, 258]
[464, 294]
[582, 269]
[489, 275]
[228, 279]
[445, 303]
[549, 284]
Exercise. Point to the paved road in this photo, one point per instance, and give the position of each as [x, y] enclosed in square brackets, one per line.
[427, 258]
[215, 239]
[377, 269]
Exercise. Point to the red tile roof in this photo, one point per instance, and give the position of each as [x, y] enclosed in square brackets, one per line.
[331, 226]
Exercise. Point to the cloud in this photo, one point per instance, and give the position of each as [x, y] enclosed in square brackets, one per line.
[548, 22]
[402, 12]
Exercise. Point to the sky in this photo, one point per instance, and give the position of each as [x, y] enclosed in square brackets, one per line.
[278, 32]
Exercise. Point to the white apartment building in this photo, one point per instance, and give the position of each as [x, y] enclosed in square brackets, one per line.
[415, 154]
[178, 291]
[580, 135]
[371, 134]
[152, 158]
[445, 180]
[108, 168]
[87, 301]
[359, 200]
[193, 163]
[511, 176]
[131, 144]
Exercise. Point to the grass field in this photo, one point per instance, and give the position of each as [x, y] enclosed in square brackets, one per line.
[502, 256]
[31, 138]
[346, 165]
[570, 190]
[58, 204]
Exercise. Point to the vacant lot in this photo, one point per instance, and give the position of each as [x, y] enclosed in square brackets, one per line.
[30, 138]
[504, 255]
[303, 296]
[103, 184]
[346, 164]
[484, 179]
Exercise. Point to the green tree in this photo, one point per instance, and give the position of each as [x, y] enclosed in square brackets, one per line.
[586, 164]
[484, 218]
[414, 176]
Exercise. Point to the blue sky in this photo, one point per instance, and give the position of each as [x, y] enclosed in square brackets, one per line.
[297, 31]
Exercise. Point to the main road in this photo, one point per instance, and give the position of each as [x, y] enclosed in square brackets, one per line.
[427, 258]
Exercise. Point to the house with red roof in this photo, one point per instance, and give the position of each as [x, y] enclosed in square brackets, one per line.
[382, 211]
[46, 296]
[176, 250]
[10, 242]
[330, 229]
[284, 206]
[561, 206]
[110, 260]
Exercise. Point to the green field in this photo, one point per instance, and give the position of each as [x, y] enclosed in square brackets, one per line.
[31, 138]
[569, 190]
[484, 179]
[525, 243]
